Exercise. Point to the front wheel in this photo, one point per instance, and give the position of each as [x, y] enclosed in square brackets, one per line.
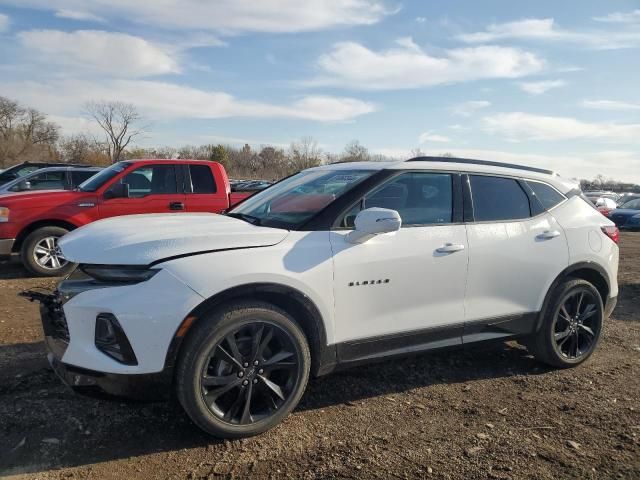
[572, 325]
[242, 370]
[41, 255]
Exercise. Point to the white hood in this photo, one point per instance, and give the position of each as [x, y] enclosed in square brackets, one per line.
[143, 239]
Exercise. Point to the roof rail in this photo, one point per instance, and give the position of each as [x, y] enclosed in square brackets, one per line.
[480, 162]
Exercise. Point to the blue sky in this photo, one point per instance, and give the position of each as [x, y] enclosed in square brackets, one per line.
[545, 83]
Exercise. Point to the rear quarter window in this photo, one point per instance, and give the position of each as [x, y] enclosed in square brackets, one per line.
[548, 196]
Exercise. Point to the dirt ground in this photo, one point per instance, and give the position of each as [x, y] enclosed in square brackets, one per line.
[487, 412]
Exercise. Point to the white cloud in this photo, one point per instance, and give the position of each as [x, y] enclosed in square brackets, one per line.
[614, 105]
[4, 22]
[79, 15]
[353, 65]
[421, 19]
[111, 53]
[621, 17]
[466, 109]
[66, 98]
[517, 126]
[545, 29]
[537, 88]
[427, 137]
[229, 16]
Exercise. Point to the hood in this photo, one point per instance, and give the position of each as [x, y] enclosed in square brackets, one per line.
[143, 239]
[50, 195]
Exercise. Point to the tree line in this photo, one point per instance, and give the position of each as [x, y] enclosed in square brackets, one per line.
[27, 135]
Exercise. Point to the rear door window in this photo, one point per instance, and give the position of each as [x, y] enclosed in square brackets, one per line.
[202, 180]
[498, 199]
[78, 177]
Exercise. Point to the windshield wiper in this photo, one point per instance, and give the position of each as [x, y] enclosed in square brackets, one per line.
[247, 218]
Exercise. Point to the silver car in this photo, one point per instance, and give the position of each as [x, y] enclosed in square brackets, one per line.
[51, 178]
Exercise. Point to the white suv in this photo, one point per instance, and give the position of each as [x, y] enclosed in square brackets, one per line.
[332, 267]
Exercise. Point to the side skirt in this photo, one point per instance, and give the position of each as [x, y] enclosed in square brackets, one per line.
[357, 352]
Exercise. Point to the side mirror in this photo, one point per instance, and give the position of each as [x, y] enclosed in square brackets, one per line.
[119, 190]
[374, 221]
[24, 185]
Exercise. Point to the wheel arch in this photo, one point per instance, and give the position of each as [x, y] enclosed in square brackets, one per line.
[589, 271]
[32, 227]
[289, 299]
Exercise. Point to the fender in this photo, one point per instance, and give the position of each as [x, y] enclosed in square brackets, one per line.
[47, 222]
[289, 299]
[596, 275]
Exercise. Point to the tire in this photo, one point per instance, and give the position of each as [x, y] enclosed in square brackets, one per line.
[563, 340]
[213, 383]
[44, 238]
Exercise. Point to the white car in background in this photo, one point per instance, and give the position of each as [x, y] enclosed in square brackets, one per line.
[333, 267]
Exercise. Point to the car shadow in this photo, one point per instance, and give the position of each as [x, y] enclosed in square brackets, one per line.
[46, 426]
[12, 269]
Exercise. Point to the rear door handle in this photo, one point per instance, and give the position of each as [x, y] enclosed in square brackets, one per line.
[450, 248]
[176, 206]
[548, 235]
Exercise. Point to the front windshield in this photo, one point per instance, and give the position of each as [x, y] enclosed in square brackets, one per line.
[99, 179]
[295, 200]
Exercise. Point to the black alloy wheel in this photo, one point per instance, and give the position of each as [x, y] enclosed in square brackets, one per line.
[250, 373]
[242, 369]
[577, 324]
[571, 325]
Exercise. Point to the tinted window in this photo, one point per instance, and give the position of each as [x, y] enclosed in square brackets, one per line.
[548, 196]
[151, 180]
[419, 198]
[78, 177]
[202, 179]
[496, 199]
[41, 181]
[632, 204]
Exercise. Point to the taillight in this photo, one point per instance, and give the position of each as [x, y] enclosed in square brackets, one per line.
[612, 232]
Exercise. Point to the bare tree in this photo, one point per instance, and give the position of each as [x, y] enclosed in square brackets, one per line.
[305, 153]
[120, 121]
[25, 134]
[354, 152]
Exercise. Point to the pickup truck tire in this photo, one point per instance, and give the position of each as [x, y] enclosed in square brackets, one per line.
[40, 253]
[571, 327]
[242, 369]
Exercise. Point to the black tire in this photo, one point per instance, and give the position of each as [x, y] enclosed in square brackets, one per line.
[206, 355]
[29, 255]
[571, 328]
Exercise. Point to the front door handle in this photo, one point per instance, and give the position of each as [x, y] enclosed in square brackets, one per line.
[450, 248]
[176, 206]
[548, 235]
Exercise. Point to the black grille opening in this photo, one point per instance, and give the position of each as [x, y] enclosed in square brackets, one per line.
[55, 322]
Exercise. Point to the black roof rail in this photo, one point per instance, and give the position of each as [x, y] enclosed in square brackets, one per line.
[472, 161]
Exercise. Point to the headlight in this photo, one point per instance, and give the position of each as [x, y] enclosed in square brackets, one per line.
[4, 214]
[119, 273]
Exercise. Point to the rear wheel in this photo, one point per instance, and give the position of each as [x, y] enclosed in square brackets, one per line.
[242, 370]
[572, 325]
[41, 255]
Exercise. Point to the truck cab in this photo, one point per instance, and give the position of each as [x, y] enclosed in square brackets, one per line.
[32, 222]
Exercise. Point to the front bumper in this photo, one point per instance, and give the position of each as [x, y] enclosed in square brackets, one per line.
[6, 246]
[145, 387]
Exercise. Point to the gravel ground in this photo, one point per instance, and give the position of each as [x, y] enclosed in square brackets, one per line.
[486, 412]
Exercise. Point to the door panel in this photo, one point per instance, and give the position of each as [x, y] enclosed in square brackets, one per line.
[512, 264]
[398, 282]
[152, 189]
[204, 193]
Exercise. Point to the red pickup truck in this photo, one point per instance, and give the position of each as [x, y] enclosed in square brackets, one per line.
[32, 222]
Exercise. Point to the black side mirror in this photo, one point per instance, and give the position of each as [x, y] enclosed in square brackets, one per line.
[119, 190]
